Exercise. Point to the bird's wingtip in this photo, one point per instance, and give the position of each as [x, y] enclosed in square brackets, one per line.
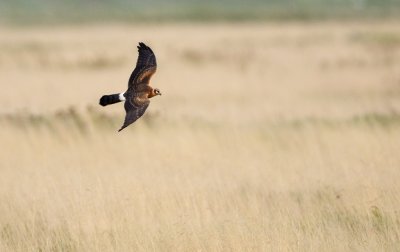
[143, 46]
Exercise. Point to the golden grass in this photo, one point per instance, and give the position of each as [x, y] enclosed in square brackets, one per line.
[267, 138]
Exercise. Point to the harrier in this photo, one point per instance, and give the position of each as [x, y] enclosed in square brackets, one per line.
[137, 97]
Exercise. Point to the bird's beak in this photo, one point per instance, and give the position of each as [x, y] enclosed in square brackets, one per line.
[160, 93]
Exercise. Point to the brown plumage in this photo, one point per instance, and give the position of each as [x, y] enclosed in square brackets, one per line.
[139, 91]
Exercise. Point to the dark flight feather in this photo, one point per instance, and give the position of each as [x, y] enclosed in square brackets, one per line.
[146, 65]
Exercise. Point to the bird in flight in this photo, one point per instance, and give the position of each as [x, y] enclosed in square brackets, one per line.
[137, 97]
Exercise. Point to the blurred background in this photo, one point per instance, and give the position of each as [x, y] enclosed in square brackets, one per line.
[77, 12]
[278, 128]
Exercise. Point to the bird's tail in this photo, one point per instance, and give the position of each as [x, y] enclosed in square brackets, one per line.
[111, 99]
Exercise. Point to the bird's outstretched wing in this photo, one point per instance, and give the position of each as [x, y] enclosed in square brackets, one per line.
[146, 66]
[133, 112]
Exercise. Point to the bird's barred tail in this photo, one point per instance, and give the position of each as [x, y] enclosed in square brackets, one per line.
[110, 99]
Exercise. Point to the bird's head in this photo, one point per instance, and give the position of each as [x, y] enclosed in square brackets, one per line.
[157, 91]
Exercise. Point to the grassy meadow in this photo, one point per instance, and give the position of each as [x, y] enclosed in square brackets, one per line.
[268, 137]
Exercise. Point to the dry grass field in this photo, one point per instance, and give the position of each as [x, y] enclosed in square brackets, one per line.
[268, 137]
